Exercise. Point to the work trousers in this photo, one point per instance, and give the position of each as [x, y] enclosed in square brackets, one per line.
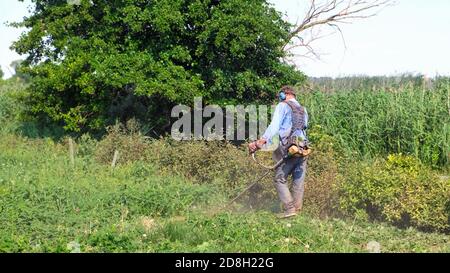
[296, 167]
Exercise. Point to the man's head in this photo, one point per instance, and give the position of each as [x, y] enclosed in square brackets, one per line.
[287, 93]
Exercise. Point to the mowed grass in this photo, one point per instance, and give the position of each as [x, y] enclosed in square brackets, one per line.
[48, 205]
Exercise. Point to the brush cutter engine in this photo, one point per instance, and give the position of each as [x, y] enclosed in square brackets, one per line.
[297, 148]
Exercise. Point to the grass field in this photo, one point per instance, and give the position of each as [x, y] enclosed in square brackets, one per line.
[48, 205]
[380, 162]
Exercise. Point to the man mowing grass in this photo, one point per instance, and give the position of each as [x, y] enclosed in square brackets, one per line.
[290, 121]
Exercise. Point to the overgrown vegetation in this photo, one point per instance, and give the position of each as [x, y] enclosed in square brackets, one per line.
[374, 83]
[48, 205]
[399, 190]
[13, 117]
[408, 120]
[167, 196]
[379, 170]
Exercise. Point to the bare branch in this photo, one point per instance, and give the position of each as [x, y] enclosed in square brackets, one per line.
[331, 14]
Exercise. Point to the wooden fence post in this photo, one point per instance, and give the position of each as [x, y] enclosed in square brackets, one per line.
[116, 156]
[71, 152]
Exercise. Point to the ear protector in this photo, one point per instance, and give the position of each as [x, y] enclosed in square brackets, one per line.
[282, 96]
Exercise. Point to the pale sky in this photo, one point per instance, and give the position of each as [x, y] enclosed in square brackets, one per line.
[410, 37]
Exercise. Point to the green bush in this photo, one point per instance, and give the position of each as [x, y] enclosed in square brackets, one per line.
[399, 190]
[12, 113]
[10, 109]
[226, 166]
[322, 175]
[126, 139]
[202, 161]
[230, 168]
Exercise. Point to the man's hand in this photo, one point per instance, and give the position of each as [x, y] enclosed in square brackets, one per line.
[256, 145]
[252, 147]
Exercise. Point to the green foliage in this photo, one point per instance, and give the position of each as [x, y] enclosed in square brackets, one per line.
[126, 139]
[47, 205]
[333, 180]
[161, 189]
[45, 202]
[351, 83]
[94, 63]
[13, 118]
[10, 109]
[204, 162]
[19, 74]
[322, 175]
[399, 190]
[408, 120]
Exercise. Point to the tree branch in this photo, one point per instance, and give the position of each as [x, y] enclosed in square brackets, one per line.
[330, 13]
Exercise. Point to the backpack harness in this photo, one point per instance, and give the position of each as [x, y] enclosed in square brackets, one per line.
[294, 146]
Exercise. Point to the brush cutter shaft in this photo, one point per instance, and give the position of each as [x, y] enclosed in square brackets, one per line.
[269, 170]
[268, 167]
[249, 187]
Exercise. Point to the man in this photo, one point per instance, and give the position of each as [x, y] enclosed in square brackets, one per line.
[290, 121]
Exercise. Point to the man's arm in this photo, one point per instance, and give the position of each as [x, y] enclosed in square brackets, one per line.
[272, 130]
[275, 124]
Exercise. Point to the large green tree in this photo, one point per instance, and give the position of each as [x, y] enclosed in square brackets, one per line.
[18, 74]
[93, 62]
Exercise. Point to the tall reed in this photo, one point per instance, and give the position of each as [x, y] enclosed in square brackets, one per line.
[408, 119]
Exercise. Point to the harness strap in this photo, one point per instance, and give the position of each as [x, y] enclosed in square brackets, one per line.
[298, 117]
